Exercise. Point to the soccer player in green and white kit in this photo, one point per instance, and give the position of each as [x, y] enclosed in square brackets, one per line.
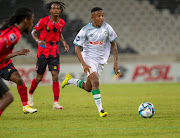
[96, 38]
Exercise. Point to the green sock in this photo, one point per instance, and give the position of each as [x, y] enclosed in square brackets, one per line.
[97, 98]
[79, 83]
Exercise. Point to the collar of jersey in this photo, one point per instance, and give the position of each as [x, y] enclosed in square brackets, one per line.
[94, 26]
[52, 20]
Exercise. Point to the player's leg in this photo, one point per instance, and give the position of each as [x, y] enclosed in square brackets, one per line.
[40, 69]
[22, 89]
[53, 64]
[5, 96]
[33, 87]
[96, 93]
[86, 85]
[35, 83]
[69, 80]
[10, 73]
[56, 89]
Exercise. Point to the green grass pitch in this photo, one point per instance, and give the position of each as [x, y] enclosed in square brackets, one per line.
[80, 117]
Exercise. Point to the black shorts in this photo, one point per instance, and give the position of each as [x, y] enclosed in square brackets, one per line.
[7, 71]
[3, 88]
[42, 62]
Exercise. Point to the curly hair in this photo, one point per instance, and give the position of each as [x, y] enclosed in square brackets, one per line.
[61, 4]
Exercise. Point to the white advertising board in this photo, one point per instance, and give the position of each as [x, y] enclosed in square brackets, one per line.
[130, 73]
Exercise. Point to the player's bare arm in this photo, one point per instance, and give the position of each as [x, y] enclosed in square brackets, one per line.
[35, 37]
[115, 54]
[20, 52]
[78, 54]
[66, 46]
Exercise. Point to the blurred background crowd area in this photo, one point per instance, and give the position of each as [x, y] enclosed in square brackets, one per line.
[145, 28]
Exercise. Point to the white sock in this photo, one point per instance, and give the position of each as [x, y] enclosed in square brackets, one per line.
[76, 82]
[73, 81]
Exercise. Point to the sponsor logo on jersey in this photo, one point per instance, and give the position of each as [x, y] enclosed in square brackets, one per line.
[12, 37]
[78, 38]
[105, 33]
[96, 43]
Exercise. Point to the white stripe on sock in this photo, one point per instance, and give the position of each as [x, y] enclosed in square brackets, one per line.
[97, 95]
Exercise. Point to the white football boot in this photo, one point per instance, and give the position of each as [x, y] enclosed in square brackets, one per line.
[57, 106]
[28, 109]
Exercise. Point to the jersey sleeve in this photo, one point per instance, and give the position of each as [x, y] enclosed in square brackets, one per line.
[39, 25]
[80, 38]
[112, 34]
[7, 43]
[11, 38]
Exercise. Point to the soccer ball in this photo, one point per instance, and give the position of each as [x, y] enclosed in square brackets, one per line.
[146, 110]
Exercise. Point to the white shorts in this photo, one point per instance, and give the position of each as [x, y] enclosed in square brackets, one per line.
[95, 66]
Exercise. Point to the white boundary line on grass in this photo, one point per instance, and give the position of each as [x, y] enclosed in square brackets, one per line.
[14, 129]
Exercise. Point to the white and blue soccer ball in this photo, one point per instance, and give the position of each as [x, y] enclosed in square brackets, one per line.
[146, 110]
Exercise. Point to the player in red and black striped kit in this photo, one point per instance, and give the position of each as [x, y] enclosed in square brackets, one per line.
[50, 28]
[20, 22]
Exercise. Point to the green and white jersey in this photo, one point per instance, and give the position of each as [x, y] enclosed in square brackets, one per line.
[96, 42]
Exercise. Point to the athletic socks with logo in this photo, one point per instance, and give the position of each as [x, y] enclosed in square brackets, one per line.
[97, 98]
[76, 82]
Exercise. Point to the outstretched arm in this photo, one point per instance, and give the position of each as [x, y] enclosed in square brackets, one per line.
[66, 46]
[20, 52]
[115, 54]
[78, 54]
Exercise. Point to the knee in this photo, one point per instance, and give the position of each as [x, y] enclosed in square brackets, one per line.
[38, 79]
[55, 78]
[19, 81]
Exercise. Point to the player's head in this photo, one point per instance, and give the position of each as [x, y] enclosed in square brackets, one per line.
[23, 16]
[97, 16]
[55, 8]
